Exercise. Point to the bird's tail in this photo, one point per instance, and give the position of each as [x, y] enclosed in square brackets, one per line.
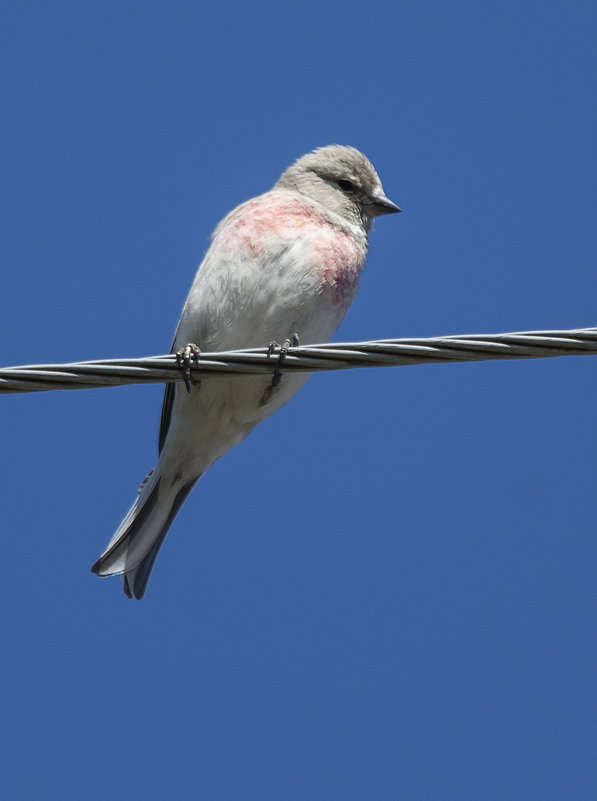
[133, 549]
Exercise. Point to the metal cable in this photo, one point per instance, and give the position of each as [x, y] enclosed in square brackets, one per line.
[310, 358]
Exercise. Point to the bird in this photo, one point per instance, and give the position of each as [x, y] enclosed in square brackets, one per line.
[282, 267]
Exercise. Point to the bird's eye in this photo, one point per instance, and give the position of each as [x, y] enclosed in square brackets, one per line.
[346, 186]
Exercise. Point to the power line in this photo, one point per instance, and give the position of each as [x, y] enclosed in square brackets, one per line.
[310, 358]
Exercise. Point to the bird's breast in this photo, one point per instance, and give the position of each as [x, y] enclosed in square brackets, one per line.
[286, 232]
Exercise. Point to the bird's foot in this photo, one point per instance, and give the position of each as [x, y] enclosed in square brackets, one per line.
[290, 342]
[185, 358]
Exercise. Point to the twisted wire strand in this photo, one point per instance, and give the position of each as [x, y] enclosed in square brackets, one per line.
[310, 358]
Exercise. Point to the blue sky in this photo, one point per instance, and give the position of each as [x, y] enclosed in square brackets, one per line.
[388, 590]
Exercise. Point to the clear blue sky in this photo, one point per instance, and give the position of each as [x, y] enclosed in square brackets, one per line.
[387, 592]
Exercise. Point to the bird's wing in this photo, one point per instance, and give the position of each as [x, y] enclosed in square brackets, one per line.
[167, 405]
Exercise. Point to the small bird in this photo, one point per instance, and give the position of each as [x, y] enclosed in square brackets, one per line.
[282, 266]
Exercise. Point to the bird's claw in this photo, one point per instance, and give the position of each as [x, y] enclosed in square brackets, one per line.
[185, 357]
[290, 342]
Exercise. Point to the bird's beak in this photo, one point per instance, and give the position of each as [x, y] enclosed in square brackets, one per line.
[380, 204]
